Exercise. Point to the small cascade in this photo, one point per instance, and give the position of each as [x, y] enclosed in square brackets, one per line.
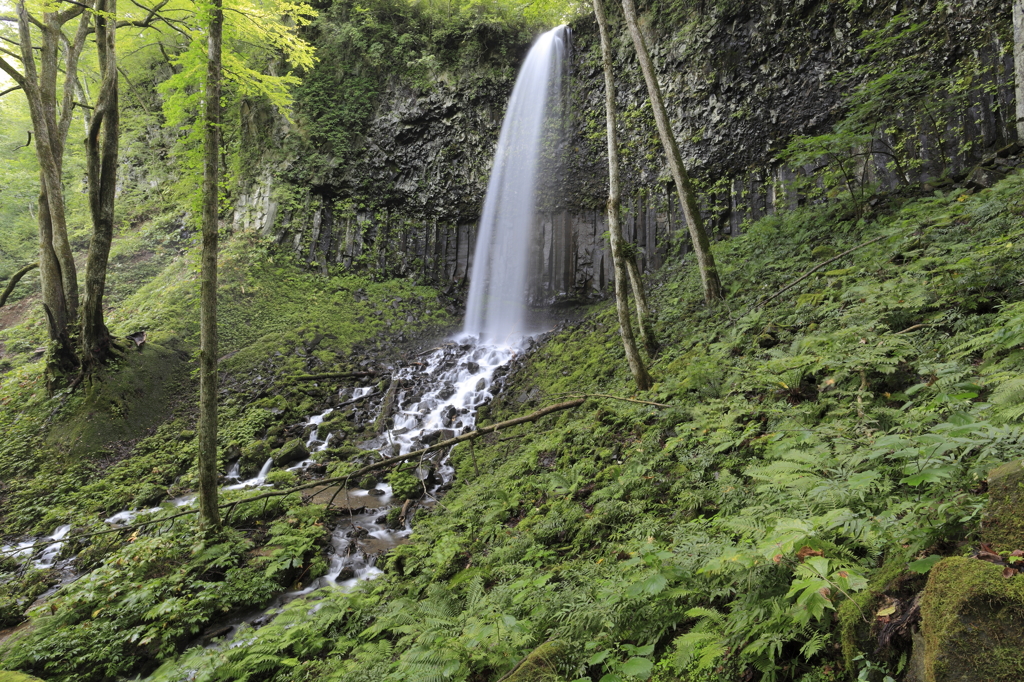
[496, 307]
[29, 549]
[436, 397]
[256, 481]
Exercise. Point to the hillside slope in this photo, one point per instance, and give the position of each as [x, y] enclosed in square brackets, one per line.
[808, 443]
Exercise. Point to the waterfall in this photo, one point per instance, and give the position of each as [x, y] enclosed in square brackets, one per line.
[496, 309]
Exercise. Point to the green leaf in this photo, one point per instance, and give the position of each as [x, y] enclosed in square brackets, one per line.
[924, 565]
[637, 667]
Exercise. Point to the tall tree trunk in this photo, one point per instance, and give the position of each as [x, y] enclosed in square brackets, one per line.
[208, 296]
[1018, 64]
[102, 169]
[687, 197]
[63, 359]
[644, 319]
[636, 365]
[39, 81]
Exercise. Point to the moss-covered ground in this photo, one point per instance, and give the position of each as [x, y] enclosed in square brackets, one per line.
[808, 451]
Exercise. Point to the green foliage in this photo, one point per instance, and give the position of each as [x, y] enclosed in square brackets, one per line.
[906, 84]
[159, 591]
[804, 442]
[405, 485]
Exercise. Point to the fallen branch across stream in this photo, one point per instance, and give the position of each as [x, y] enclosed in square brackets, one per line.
[331, 375]
[482, 431]
[230, 506]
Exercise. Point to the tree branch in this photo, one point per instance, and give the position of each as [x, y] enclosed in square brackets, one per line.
[815, 269]
[15, 278]
[27, 142]
[10, 90]
[11, 71]
[533, 416]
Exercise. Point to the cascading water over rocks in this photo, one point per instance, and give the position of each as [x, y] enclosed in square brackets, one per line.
[437, 397]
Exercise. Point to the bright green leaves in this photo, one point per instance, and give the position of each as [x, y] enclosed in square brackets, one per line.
[625, 662]
[924, 565]
[816, 581]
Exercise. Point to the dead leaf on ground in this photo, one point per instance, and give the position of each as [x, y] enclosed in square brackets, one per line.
[806, 551]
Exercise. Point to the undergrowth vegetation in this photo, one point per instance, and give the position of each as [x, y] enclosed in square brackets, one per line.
[811, 448]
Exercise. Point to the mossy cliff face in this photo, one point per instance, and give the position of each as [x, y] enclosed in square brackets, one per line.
[972, 623]
[740, 79]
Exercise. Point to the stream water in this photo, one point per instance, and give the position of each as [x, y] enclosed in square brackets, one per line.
[434, 397]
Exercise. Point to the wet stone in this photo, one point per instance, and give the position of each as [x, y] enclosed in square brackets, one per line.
[448, 414]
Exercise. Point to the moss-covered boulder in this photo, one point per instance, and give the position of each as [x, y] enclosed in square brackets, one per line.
[541, 665]
[972, 622]
[291, 452]
[1003, 527]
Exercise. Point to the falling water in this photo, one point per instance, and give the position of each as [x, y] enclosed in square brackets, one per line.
[498, 286]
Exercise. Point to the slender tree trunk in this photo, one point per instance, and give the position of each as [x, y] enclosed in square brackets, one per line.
[687, 197]
[208, 297]
[39, 81]
[102, 169]
[636, 364]
[49, 67]
[1018, 64]
[645, 321]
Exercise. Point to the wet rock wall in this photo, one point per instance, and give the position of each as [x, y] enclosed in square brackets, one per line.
[739, 83]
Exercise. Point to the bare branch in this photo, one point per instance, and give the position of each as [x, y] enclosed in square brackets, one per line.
[72, 2]
[15, 278]
[8, 90]
[11, 71]
[27, 142]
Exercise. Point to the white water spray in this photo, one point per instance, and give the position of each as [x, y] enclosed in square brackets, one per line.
[496, 308]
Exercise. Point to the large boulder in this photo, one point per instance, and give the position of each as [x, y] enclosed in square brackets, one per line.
[972, 623]
[1003, 526]
[972, 611]
[291, 452]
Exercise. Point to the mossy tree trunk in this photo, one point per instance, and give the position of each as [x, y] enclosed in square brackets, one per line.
[208, 511]
[687, 197]
[636, 364]
[51, 120]
[645, 320]
[101, 152]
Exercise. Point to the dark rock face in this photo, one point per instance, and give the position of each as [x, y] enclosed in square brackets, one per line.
[738, 86]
